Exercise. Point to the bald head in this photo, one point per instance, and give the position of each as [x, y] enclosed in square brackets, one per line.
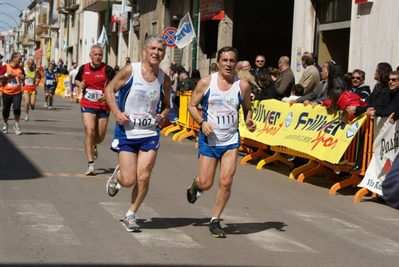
[284, 63]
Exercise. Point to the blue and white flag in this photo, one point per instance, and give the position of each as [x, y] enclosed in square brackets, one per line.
[185, 33]
[102, 40]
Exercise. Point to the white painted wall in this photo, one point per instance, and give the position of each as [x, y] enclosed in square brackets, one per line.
[90, 34]
[374, 36]
[302, 33]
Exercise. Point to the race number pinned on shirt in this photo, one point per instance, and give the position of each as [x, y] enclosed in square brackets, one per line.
[93, 94]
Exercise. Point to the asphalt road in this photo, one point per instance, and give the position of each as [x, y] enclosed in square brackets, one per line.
[53, 215]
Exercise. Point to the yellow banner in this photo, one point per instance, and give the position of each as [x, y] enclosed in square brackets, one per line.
[305, 129]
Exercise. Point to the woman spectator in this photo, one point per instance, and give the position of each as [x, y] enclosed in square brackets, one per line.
[268, 89]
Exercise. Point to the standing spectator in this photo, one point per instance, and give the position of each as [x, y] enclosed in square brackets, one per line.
[50, 84]
[92, 78]
[187, 84]
[12, 81]
[357, 84]
[310, 77]
[219, 138]
[213, 68]
[260, 62]
[195, 76]
[245, 65]
[29, 88]
[285, 80]
[174, 99]
[140, 109]
[127, 60]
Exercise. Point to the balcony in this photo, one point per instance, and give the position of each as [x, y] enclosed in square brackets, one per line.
[67, 6]
[97, 5]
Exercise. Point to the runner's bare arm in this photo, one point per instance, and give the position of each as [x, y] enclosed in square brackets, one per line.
[246, 105]
[114, 86]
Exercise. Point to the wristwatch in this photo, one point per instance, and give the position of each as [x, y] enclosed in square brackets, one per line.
[200, 124]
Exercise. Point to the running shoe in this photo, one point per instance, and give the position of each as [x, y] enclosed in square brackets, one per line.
[113, 186]
[26, 118]
[17, 129]
[5, 128]
[95, 152]
[91, 170]
[216, 230]
[193, 192]
[130, 223]
[50, 107]
[45, 104]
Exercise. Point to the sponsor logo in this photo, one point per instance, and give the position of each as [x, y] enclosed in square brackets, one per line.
[352, 130]
[288, 119]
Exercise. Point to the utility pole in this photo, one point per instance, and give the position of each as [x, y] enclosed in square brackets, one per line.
[67, 42]
[195, 42]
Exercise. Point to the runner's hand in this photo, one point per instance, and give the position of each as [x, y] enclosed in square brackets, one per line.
[122, 118]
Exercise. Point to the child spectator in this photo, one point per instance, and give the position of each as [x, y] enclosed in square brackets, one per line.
[296, 92]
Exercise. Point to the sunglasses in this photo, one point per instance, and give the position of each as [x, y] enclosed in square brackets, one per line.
[356, 78]
[260, 61]
[393, 80]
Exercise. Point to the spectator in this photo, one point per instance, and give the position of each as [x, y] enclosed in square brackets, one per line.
[332, 78]
[127, 60]
[266, 82]
[285, 81]
[187, 84]
[310, 77]
[213, 68]
[260, 62]
[296, 92]
[195, 76]
[116, 69]
[358, 86]
[247, 76]
[245, 65]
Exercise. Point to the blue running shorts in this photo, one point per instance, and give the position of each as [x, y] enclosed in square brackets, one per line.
[101, 113]
[214, 151]
[135, 145]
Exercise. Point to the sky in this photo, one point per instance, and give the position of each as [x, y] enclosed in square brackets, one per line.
[11, 11]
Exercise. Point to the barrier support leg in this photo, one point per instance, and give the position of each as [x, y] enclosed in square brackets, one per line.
[258, 153]
[178, 134]
[316, 170]
[360, 194]
[309, 165]
[275, 157]
[352, 180]
[188, 134]
[169, 129]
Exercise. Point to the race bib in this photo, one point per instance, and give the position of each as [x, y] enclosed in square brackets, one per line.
[142, 120]
[49, 82]
[225, 120]
[93, 94]
[12, 81]
[29, 81]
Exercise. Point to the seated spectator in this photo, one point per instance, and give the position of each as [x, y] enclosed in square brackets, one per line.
[268, 90]
[187, 84]
[296, 92]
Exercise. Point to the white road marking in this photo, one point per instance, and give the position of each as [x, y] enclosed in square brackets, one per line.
[352, 233]
[164, 237]
[39, 221]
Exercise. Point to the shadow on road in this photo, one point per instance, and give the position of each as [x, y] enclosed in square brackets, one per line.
[230, 228]
[13, 164]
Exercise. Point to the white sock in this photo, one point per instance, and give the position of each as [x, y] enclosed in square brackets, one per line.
[130, 213]
[214, 218]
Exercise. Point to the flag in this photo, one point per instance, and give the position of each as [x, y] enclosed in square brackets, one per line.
[185, 33]
[48, 51]
[103, 37]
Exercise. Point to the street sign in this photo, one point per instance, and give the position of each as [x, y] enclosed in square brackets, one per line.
[169, 34]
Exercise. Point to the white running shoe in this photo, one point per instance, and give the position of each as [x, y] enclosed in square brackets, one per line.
[91, 170]
[45, 104]
[17, 129]
[113, 186]
[5, 128]
[26, 117]
[130, 224]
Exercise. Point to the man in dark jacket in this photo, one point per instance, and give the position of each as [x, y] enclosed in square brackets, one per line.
[358, 86]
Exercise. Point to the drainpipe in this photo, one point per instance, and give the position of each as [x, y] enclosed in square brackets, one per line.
[195, 42]
[68, 19]
[107, 19]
